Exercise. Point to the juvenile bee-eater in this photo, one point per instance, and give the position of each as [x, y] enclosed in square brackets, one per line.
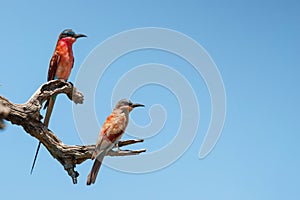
[60, 67]
[111, 132]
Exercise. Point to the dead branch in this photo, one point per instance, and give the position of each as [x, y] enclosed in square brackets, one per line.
[3, 113]
[28, 116]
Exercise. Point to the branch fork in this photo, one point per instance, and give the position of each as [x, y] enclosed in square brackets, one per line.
[28, 116]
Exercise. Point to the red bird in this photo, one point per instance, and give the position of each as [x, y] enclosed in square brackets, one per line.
[60, 67]
[111, 132]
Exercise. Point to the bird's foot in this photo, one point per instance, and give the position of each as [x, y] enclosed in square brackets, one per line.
[118, 148]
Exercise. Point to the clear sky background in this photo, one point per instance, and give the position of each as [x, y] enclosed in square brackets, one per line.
[255, 45]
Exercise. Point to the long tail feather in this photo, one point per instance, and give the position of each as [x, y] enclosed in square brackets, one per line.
[50, 104]
[36, 154]
[95, 169]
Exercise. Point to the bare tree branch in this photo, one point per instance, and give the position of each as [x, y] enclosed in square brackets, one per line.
[28, 116]
[3, 113]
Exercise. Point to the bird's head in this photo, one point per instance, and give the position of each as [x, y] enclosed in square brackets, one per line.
[127, 105]
[70, 36]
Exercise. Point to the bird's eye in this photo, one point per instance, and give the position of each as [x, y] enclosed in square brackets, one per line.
[68, 33]
[71, 33]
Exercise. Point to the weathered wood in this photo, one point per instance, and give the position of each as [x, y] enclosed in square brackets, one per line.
[28, 116]
[3, 113]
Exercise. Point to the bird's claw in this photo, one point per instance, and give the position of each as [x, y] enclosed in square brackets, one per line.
[118, 148]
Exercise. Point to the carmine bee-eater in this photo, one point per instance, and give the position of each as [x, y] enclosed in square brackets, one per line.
[111, 132]
[60, 67]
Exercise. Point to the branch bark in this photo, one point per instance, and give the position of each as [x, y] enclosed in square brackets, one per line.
[28, 116]
[3, 113]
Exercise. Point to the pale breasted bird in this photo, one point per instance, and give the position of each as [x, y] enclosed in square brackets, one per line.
[111, 132]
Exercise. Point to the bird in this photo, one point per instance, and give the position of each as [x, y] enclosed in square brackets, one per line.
[60, 67]
[110, 133]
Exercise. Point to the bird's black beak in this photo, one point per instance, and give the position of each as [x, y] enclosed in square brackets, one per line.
[137, 105]
[79, 35]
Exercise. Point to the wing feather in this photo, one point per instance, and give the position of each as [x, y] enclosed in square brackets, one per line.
[111, 132]
[53, 66]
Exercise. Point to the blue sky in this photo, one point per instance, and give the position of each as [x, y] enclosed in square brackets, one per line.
[255, 45]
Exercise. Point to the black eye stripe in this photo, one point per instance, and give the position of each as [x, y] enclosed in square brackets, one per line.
[68, 33]
[127, 103]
